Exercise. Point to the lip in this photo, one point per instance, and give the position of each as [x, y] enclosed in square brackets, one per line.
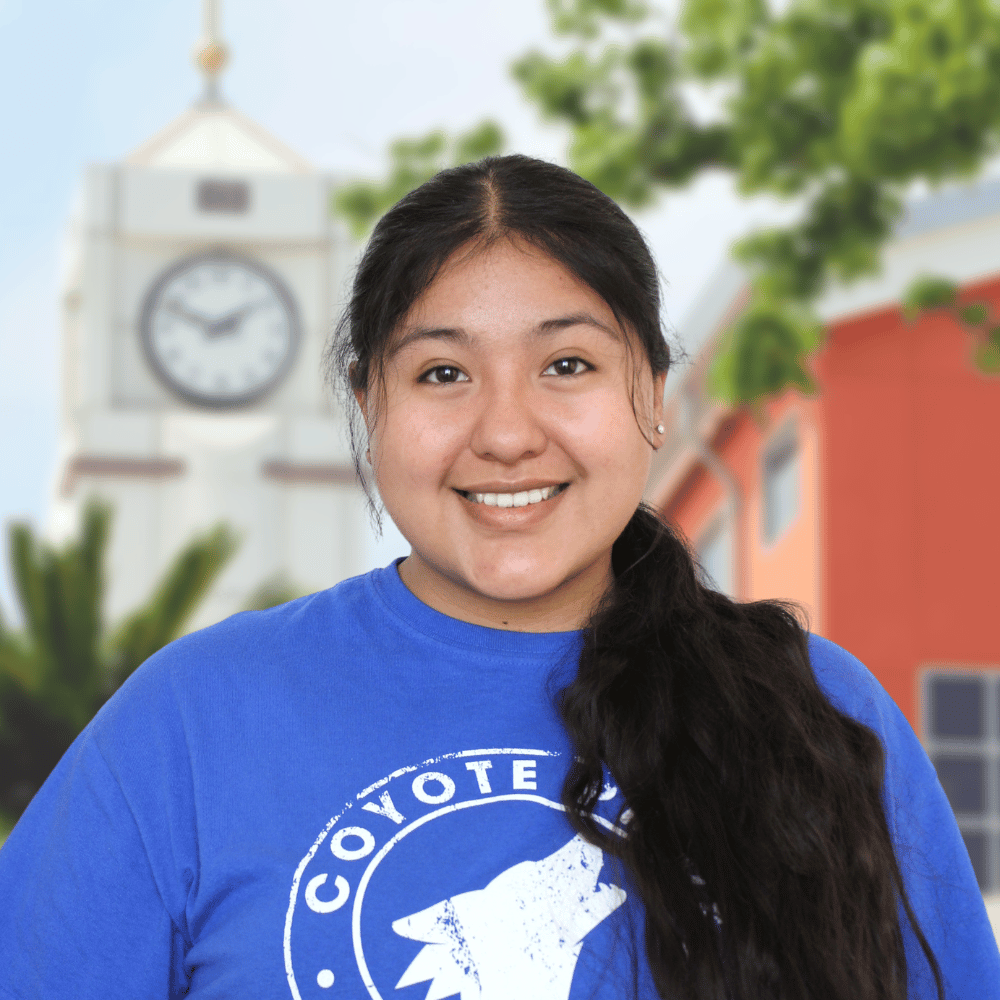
[511, 517]
[527, 486]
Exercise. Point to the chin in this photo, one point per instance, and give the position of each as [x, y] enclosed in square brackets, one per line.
[516, 583]
[520, 591]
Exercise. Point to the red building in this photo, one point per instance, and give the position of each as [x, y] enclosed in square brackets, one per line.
[876, 505]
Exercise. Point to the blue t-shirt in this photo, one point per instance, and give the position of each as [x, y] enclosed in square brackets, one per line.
[354, 795]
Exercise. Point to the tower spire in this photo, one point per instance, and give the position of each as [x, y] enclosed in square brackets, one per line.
[211, 54]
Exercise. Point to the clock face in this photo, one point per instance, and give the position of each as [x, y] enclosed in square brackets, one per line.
[219, 330]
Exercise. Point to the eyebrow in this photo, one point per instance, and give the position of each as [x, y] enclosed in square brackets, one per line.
[457, 335]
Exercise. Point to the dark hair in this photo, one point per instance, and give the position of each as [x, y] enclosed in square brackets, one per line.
[747, 788]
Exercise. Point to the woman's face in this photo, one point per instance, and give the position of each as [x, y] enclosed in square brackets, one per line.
[510, 380]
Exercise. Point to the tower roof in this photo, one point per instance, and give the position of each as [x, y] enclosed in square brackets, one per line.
[212, 134]
[215, 136]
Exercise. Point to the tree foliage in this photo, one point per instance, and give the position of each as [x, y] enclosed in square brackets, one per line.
[839, 105]
[58, 671]
[931, 293]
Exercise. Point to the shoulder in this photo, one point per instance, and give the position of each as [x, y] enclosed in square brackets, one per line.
[252, 651]
[856, 691]
[279, 632]
[845, 680]
[306, 620]
[934, 862]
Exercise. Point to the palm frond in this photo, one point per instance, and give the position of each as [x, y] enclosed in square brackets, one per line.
[173, 601]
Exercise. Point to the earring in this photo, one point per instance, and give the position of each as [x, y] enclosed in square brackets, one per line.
[659, 428]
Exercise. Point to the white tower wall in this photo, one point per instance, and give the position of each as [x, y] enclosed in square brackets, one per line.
[277, 470]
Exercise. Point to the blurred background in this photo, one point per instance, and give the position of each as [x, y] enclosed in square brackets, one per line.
[185, 190]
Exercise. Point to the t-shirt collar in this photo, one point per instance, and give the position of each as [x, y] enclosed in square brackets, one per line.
[398, 598]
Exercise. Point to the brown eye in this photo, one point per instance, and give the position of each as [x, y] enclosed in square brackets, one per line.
[444, 375]
[570, 366]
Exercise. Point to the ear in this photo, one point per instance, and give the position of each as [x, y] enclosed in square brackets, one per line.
[359, 394]
[362, 397]
[659, 382]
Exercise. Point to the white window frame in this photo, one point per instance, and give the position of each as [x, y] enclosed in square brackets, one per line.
[786, 437]
[986, 747]
[719, 525]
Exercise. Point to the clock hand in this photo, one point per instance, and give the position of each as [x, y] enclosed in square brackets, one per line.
[226, 325]
[231, 322]
[179, 309]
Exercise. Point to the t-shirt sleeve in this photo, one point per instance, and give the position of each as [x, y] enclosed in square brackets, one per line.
[937, 872]
[83, 910]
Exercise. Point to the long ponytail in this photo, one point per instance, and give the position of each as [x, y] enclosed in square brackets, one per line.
[754, 803]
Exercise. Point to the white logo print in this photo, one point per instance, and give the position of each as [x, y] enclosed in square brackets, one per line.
[429, 876]
[519, 936]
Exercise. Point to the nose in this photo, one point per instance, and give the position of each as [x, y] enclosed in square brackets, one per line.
[508, 426]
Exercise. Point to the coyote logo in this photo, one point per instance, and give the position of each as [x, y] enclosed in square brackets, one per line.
[520, 936]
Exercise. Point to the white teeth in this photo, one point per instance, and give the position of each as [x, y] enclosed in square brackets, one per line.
[522, 499]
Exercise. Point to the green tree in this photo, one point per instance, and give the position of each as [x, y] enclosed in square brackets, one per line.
[837, 105]
[58, 671]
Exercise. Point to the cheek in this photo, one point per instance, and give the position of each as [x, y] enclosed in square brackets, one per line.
[612, 450]
[606, 429]
[415, 448]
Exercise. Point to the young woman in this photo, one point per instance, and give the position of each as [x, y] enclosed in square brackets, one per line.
[536, 758]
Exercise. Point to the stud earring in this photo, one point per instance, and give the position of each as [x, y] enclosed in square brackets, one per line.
[659, 428]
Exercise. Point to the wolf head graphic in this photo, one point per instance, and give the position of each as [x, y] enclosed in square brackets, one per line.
[519, 937]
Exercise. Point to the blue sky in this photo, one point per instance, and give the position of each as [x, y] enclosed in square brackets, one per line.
[88, 80]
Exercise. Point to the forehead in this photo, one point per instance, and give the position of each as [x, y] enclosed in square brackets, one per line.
[504, 289]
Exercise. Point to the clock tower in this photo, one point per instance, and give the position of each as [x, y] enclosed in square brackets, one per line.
[203, 276]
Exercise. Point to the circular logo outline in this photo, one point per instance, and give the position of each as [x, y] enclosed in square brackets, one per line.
[363, 794]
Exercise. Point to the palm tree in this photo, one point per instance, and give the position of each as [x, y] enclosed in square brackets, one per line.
[58, 671]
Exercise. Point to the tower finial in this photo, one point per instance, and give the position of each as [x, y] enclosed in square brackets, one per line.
[211, 54]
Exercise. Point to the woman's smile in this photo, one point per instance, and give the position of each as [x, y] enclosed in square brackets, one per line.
[513, 511]
[498, 496]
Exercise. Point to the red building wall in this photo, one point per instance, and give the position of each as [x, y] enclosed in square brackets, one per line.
[911, 568]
